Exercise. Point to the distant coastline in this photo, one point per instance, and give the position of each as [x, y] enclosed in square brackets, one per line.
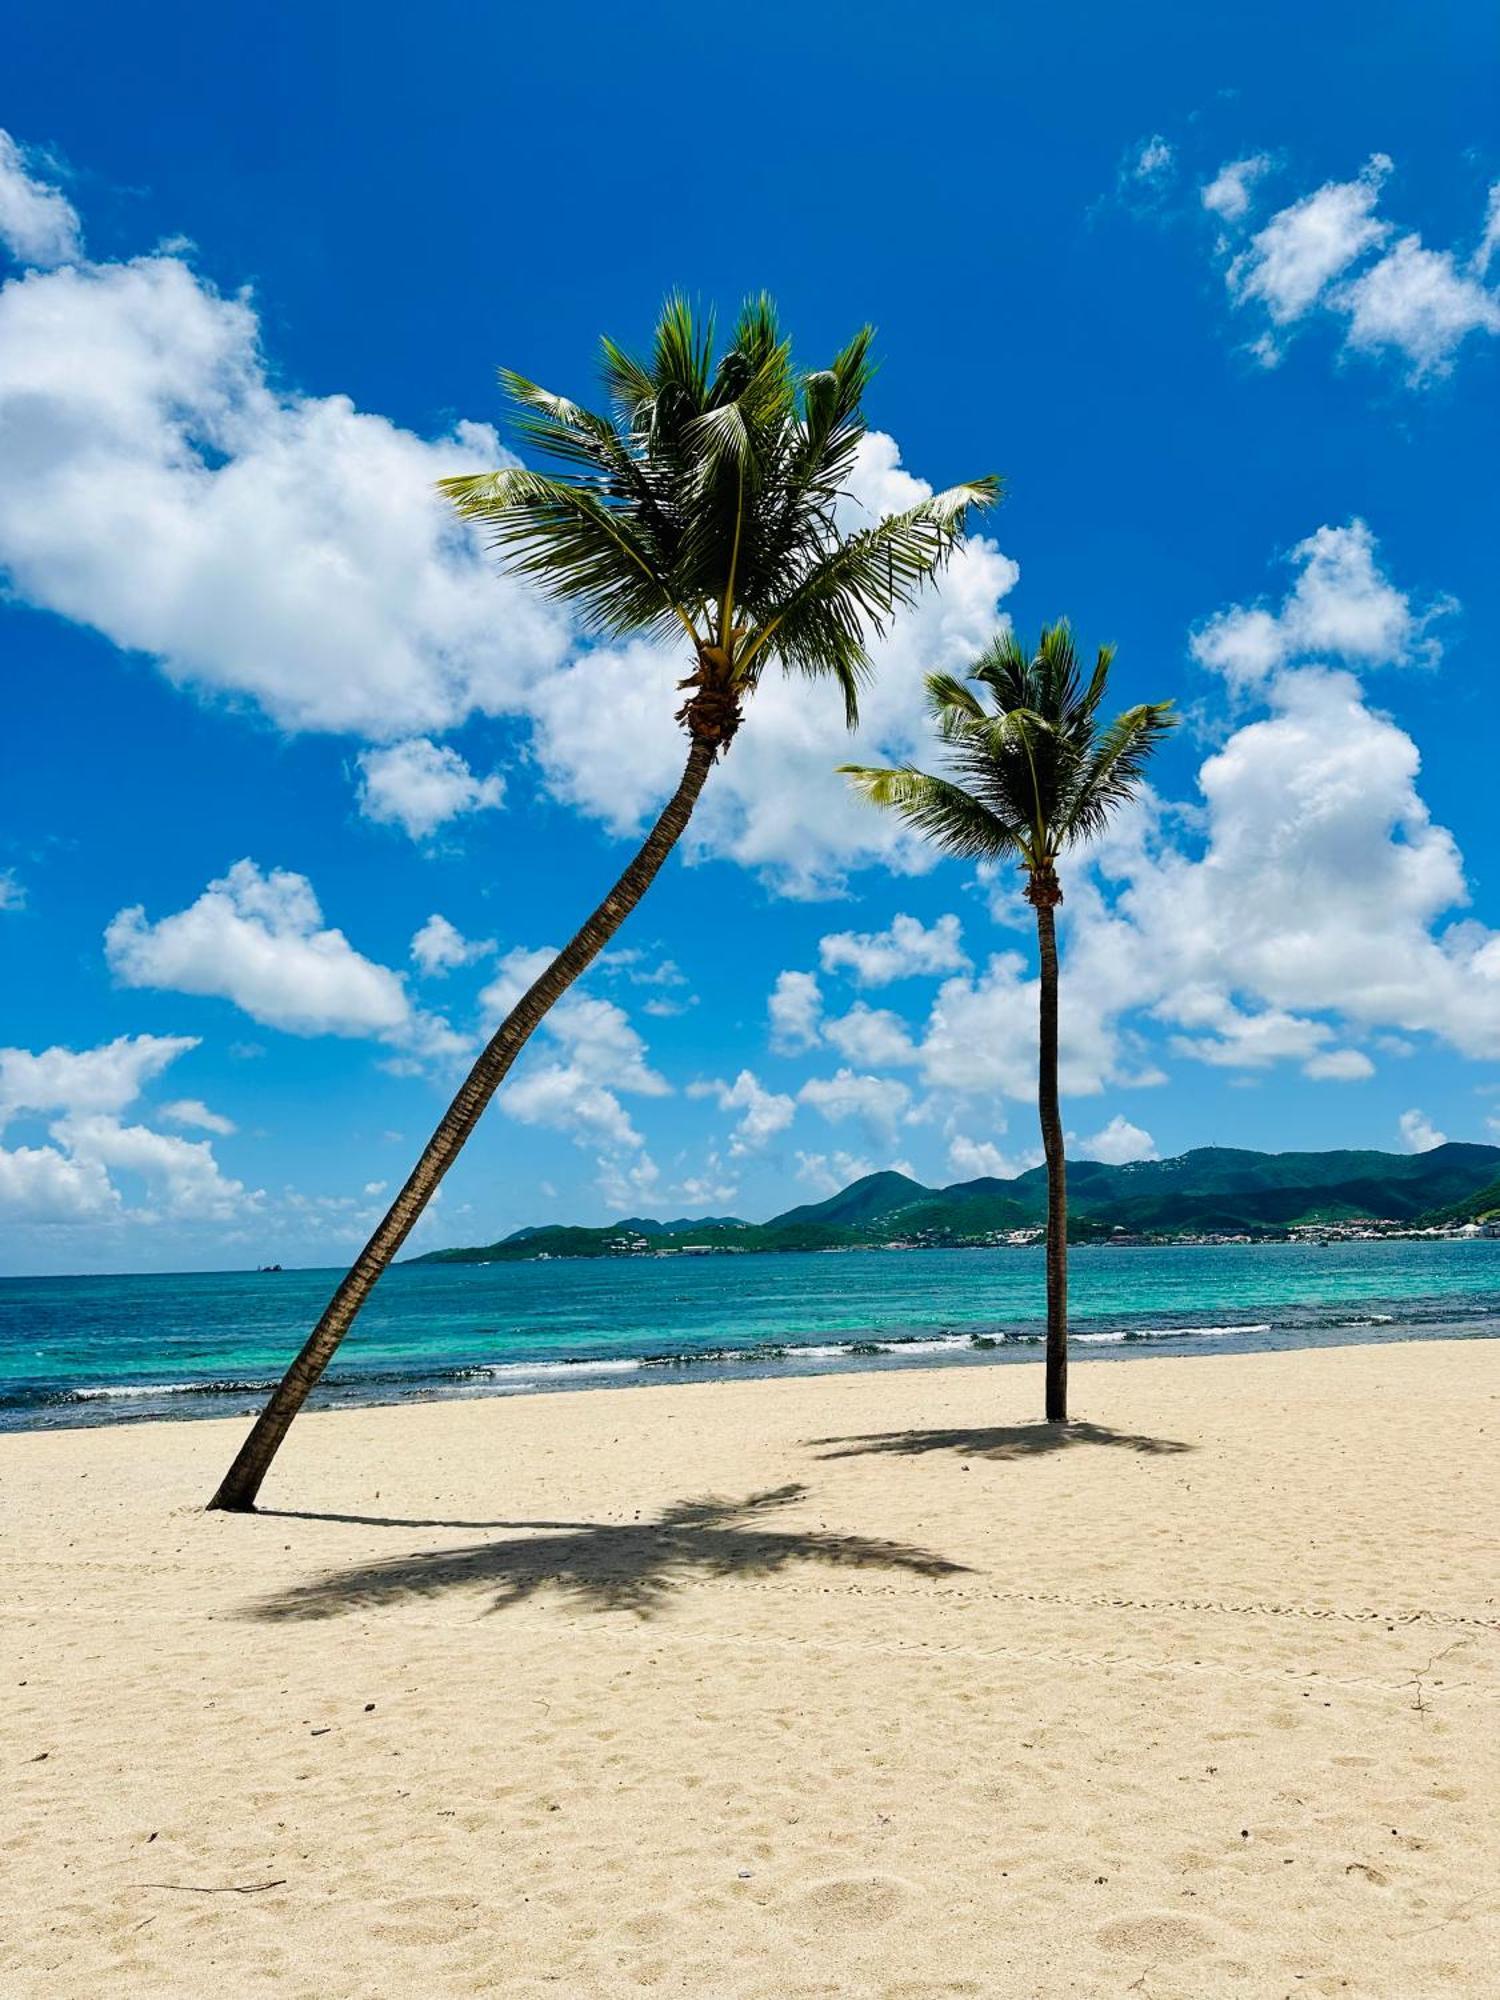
[1213, 1195]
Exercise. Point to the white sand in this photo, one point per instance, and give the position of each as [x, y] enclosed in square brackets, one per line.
[960, 1718]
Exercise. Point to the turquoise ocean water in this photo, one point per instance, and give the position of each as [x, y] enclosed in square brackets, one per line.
[111, 1349]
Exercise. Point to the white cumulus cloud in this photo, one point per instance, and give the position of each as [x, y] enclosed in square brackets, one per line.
[519, 970]
[1116, 1144]
[560, 1095]
[905, 948]
[603, 1045]
[571, 1075]
[419, 785]
[82, 1092]
[258, 940]
[571, 1078]
[181, 1175]
[1288, 264]
[192, 1111]
[981, 1159]
[38, 224]
[878, 1102]
[1419, 1134]
[1339, 1066]
[1341, 606]
[1228, 193]
[827, 1173]
[873, 1036]
[85, 1080]
[1330, 252]
[440, 947]
[160, 487]
[1419, 302]
[765, 1112]
[40, 1184]
[796, 1010]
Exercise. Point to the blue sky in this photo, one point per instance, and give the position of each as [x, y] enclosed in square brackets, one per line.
[1229, 332]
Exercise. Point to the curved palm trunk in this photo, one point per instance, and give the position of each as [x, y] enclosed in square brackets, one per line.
[243, 1480]
[1046, 895]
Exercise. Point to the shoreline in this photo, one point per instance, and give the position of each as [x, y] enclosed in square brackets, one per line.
[107, 1405]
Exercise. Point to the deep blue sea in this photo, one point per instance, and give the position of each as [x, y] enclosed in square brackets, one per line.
[112, 1349]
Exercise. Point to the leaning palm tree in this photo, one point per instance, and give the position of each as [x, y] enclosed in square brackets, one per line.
[1031, 772]
[706, 506]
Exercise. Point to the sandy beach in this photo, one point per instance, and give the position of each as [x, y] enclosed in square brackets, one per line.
[857, 1686]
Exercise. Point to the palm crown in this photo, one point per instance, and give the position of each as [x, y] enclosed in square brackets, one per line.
[1033, 770]
[707, 502]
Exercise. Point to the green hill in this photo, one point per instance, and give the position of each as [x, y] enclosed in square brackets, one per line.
[1481, 1207]
[556, 1239]
[1211, 1190]
[862, 1201]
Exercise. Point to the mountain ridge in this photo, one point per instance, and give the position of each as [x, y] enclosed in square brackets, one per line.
[1207, 1190]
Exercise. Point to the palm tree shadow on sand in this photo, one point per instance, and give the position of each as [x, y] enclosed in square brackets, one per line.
[604, 1566]
[999, 1442]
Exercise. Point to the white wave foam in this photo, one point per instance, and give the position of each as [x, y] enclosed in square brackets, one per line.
[1172, 1333]
[945, 1345]
[110, 1395]
[513, 1369]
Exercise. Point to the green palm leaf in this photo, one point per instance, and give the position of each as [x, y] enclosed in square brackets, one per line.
[938, 810]
[570, 539]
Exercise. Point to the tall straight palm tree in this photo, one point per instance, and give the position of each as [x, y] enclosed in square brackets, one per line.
[704, 506]
[1031, 770]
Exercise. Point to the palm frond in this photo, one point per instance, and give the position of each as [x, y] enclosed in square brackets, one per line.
[865, 577]
[1099, 681]
[683, 350]
[849, 671]
[565, 537]
[1113, 775]
[756, 349]
[1055, 673]
[831, 425]
[565, 430]
[721, 432]
[630, 383]
[940, 811]
[948, 700]
[1005, 668]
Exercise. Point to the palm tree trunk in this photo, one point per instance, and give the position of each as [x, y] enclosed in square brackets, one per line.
[1046, 897]
[243, 1480]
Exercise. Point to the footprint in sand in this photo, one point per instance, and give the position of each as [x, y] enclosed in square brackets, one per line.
[1157, 1937]
[932, 1989]
[1376, 1875]
[861, 1899]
